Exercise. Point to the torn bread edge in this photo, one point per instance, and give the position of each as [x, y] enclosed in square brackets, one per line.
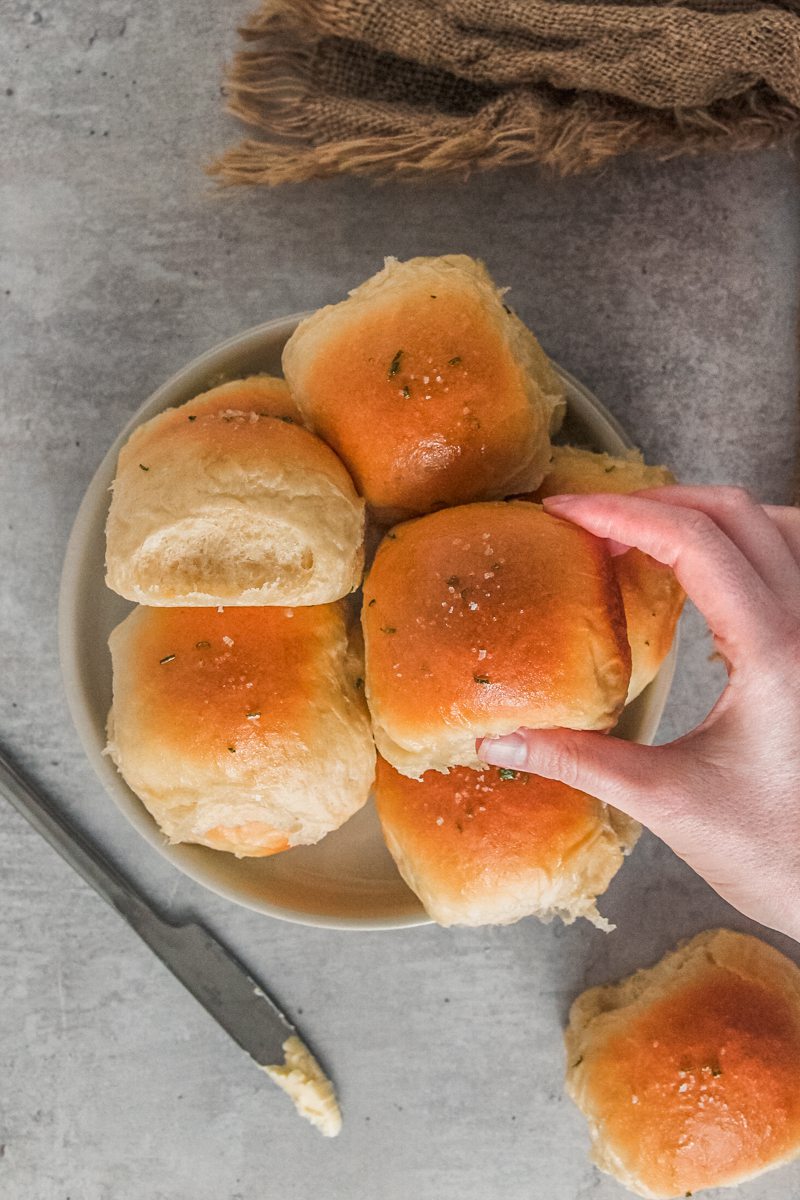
[308, 1087]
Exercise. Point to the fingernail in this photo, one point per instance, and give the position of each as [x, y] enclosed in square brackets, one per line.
[559, 501]
[508, 751]
[615, 549]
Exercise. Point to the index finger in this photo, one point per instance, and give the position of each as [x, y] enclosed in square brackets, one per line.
[787, 519]
[741, 611]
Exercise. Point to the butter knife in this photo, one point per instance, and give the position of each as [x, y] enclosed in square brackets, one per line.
[221, 983]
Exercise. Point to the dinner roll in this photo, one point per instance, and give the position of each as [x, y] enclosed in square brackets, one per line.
[267, 395]
[228, 500]
[485, 618]
[652, 597]
[243, 729]
[430, 390]
[488, 847]
[573, 469]
[689, 1073]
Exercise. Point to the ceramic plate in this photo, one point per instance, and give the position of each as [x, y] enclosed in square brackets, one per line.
[348, 880]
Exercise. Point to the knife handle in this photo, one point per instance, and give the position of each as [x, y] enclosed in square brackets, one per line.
[78, 851]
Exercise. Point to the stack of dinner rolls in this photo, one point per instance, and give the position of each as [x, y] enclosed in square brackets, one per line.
[247, 703]
[238, 715]
[415, 419]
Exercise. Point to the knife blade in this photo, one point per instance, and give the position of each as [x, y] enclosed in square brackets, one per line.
[214, 976]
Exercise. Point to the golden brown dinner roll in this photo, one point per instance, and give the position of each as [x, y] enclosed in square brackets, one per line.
[228, 500]
[485, 618]
[488, 847]
[580, 471]
[653, 601]
[430, 390]
[267, 395]
[243, 729]
[689, 1073]
[651, 594]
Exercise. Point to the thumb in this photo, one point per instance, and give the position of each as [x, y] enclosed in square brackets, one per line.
[620, 773]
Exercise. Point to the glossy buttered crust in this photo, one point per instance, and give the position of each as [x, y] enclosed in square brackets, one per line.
[651, 595]
[689, 1072]
[429, 390]
[484, 618]
[229, 500]
[244, 730]
[484, 847]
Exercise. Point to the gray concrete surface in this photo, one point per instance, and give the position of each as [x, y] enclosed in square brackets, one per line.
[669, 289]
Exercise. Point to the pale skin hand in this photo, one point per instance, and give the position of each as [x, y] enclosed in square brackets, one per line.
[726, 797]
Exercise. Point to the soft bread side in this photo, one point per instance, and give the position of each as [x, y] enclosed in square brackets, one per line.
[221, 502]
[651, 595]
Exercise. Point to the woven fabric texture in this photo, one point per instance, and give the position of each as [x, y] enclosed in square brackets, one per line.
[407, 87]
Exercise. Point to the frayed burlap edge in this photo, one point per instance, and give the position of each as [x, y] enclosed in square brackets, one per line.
[271, 90]
[577, 141]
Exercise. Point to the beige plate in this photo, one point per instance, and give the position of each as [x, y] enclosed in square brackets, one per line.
[348, 880]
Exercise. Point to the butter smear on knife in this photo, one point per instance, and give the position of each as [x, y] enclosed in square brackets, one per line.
[308, 1087]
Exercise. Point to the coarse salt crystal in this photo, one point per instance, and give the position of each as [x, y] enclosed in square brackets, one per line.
[440, 820]
[228, 641]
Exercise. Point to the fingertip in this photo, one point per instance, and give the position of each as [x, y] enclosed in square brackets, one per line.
[509, 751]
[565, 505]
[562, 501]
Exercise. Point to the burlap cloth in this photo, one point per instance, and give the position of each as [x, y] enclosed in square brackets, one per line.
[405, 87]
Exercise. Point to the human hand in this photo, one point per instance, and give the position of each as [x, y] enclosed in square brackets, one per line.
[726, 796]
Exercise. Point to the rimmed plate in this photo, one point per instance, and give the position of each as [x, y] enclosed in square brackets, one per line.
[348, 880]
